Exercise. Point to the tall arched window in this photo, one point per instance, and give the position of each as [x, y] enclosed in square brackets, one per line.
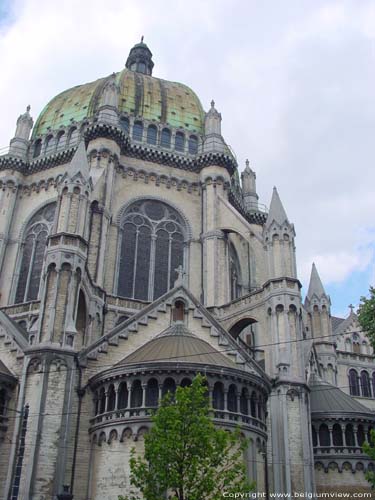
[152, 134]
[72, 137]
[33, 247]
[365, 384]
[218, 396]
[353, 383]
[235, 273]
[179, 143]
[124, 124]
[193, 145]
[152, 249]
[138, 131]
[324, 437]
[165, 138]
[37, 148]
[60, 140]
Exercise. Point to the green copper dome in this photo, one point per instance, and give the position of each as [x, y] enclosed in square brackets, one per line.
[140, 95]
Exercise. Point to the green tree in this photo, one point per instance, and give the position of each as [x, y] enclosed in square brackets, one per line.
[369, 449]
[366, 315]
[186, 457]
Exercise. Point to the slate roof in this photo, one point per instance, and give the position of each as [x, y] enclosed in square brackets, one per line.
[326, 398]
[336, 322]
[177, 344]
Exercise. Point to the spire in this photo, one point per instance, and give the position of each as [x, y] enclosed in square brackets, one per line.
[277, 213]
[315, 287]
[140, 59]
[248, 179]
[19, 143]
[79, 164]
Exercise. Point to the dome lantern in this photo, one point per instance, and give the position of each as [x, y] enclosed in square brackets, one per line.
[140, 59]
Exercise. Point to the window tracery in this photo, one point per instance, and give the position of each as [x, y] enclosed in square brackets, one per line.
[151, 249]
[33, 247]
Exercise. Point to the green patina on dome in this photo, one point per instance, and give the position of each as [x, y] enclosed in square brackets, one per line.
[140, 95]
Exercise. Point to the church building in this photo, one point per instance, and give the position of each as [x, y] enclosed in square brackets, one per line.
[133, 255]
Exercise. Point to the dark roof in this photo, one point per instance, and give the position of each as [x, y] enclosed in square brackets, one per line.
[177, 344]
[327, 398]
[336, 322]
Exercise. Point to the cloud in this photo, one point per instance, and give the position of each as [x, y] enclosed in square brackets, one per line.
[294, 83]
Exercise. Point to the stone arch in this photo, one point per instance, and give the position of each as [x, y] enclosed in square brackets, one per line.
[239, 326]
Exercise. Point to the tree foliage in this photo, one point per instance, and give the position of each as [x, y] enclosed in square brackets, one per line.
[186, 457]
[366, 315]
[369, 449]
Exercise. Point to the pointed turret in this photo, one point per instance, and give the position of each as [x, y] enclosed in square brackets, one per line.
[19, 144]
[278, 234]
[75, 187]
[277, 212]
[213, 140]
[317, 304]
[315, 286]
[248, 179]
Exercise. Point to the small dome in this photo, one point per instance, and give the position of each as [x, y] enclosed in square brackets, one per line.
[177, 344]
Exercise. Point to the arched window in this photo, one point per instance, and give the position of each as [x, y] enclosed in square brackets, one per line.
[152, 393]
[165, 138]
[60, 140]
[178, 311]
[138, 131]
[365, 384]
[179, 143]
[218, 396]
[48, 146]
[244, 401]
[324, 438]
[33, 247]
[152, 248]
[81, 317]
[122, 396]
[349, 435]
[124, 124]
[3, 402]
[193, 145]
[314, 436]
[353, 383]
[232, 399]
[373, 384]
[186, 382]
[361, 435]
[235, 273]
[111, 398]
[72, 137]
[102, 400]
[152, 134]
[337, 435]
[348, 345]
[169, 385]
[253, 404]
[37, 148]
[136, 394]
[356, 346]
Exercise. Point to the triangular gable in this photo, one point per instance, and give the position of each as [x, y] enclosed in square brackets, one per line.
[223, 340]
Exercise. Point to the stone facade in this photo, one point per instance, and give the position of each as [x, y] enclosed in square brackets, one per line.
[124, 227]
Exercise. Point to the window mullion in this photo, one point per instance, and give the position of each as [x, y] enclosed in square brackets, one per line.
[151, 280]
[135, 262]
[30, 270]
[169, 262]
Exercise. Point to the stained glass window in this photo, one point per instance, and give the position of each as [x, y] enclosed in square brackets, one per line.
[34, 245]
[151, 250]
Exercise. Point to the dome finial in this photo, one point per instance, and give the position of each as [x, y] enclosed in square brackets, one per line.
[140, 59]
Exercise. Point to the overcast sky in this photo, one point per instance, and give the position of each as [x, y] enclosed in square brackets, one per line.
[294, 81]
